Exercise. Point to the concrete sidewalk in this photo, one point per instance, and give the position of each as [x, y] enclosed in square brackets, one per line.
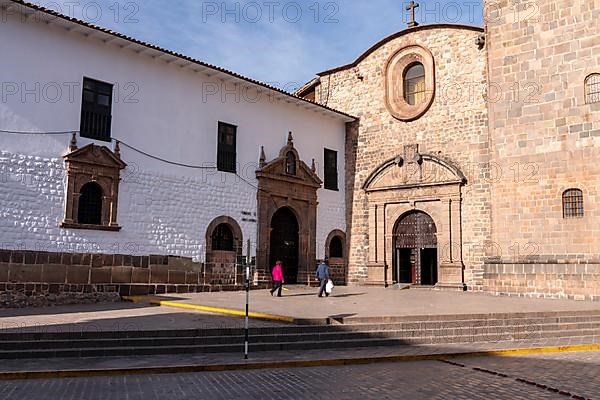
[124, 316]
[301, 302]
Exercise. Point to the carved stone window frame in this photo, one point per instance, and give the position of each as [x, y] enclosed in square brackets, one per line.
[97, 164]
[395, 70]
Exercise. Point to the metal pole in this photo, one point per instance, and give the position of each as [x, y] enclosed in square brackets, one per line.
[247, 308]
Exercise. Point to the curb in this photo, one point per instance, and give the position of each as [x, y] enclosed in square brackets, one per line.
[31, 375]
[224, 311]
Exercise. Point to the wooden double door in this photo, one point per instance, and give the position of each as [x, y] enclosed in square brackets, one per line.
[284, 243]
[415, 258]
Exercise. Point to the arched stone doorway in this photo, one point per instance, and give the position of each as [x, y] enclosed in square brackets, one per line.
[415, 255]
[281, 185]
[284, 243]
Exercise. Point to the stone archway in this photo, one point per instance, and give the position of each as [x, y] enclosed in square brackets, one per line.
[415, 250]
[294, 187]
[283, 243]
[224, 243]
[336, 251]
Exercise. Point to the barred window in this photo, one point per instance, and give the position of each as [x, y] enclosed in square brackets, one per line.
[96, 110]
[592, 89]
[414, 84]
[226, 149]
[573, 203]
[222, 238]
[331, 170]
[90, 204]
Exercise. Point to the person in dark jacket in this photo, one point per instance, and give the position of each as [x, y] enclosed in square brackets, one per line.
[322, 275]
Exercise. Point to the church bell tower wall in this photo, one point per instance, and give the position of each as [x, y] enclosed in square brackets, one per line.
[545, 141]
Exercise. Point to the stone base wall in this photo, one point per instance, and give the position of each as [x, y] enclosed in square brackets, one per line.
[32, 278]
[543, 280]
[44, 295]
[338, 272]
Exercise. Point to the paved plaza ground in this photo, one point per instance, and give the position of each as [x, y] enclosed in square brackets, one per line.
[298, 302]
[558, 376]
[548, 376]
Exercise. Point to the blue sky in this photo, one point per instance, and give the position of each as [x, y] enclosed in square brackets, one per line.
[280, 42]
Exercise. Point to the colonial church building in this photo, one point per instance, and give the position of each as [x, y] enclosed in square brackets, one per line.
[473, 163]
[447, 156]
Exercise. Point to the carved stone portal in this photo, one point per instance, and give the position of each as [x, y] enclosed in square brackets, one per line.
[409, 185]
[287, 192]
[99, 165]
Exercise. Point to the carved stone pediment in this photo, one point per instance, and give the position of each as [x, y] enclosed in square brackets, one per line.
[98, 156]
[277, 168]
[413, 170]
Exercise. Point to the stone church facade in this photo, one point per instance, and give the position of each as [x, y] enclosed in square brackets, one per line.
[482, 175]
[445, 156]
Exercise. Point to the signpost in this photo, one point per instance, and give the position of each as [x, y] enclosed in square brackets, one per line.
[247, 304]
[246, 334]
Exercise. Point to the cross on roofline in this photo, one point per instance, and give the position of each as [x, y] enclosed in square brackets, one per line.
[411, 7]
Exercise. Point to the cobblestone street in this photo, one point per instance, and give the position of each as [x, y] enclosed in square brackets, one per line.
[558, 376]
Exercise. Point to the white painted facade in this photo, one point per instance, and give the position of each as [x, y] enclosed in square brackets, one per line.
[159, 107]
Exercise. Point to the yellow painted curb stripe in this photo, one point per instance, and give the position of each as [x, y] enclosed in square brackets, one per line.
[4, 376]
[217, 310]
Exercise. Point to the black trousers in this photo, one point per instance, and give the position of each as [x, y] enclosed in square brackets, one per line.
[322, 287]
[277, 286]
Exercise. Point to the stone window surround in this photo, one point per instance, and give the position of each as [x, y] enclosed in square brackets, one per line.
[394, 82]
[235, 229]
[574, 197]
[590, 97]
[96, 164]
[340, 234]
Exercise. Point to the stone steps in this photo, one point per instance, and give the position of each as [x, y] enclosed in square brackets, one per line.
[468, 317]
[461, 334]
[397, 331]
[354, 324]
[333, 343]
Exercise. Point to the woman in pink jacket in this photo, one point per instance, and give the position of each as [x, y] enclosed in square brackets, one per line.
[277, 279]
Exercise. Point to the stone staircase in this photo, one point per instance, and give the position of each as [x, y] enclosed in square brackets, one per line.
[339, 333]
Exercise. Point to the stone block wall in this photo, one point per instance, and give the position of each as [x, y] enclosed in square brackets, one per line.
[32, 278]
[550, 279]
[337, 270]
[545, 139]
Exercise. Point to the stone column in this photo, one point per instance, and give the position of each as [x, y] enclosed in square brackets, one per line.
[377, 244]
[451, 264]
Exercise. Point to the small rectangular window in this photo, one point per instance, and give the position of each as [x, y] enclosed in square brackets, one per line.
[96, 110]
[331, 171]
[226, 151]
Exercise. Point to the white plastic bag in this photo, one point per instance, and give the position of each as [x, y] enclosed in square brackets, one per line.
[329, 287]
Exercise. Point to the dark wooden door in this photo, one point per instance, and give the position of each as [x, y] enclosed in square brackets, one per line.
[429, 275]
[284, 243]
[415, 241]
[405, 266]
